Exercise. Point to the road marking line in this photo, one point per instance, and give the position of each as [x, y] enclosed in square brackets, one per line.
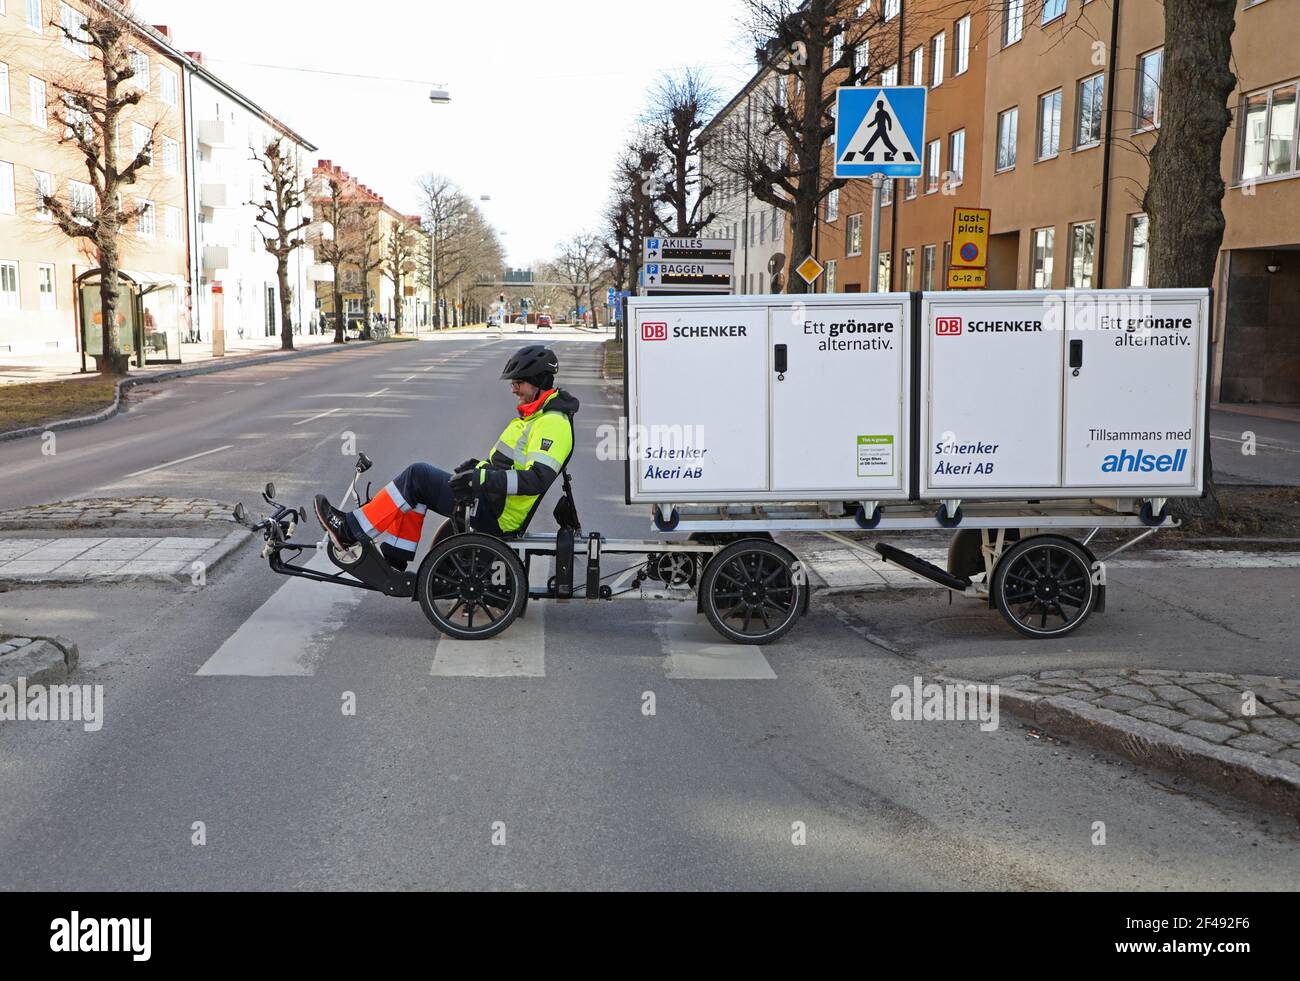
[289, 634]
[407, 378]
[517, 652]
[695, 652]
[187, 459]
[322, 415]
[1259, 444]
[373, 394]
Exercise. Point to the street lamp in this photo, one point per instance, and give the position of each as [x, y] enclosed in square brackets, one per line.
[439, 96]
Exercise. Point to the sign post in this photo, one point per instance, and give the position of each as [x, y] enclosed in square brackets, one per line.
[879, 133]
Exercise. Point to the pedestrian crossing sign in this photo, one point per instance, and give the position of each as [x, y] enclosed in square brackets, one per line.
[879, 130]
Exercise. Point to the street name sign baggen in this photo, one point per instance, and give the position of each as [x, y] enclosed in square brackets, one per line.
[880, 130]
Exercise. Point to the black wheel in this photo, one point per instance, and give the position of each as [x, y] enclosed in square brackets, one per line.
[1150, 518]
[1043, 586]
[947, 520]
[863, 521]
[445, 531]
[753, 591]
[671, 523]
[346, 559]
[471, 587]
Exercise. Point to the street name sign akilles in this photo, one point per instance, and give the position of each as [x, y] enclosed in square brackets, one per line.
[690, 249]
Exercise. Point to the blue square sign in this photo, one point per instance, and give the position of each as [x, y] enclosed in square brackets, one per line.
[880, 130]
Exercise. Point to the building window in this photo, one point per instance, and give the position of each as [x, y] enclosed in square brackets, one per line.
[6, 106]
[883, 270]
[936, 59]
[8, 206]
[927, 267]
[172, 223]
[1268, 136]
[1013, 21]
[44, 189]
[146, 224]
[833, 206]
[1008, 122]
[140, 66]
[81, 201]
[34, 20]
[45, 286]
[886, 191]
[1091, 100]
[167, 86]
[837, 48]
[831, 271]
[909, 188]
[889, 76]
[36, 92]
[1049, 125]
[961, 46]
[1148, 95]
[853, 236]
[932, 165]
[8, 285]
[141, 138]
[889, 9]
[918, 65]
[1082, 246]
[171, 155]
[1137, 250]
[957, 155]
[1052, 9]
[909, 270]
[72, 22]
[1041, 261]
[861, 59]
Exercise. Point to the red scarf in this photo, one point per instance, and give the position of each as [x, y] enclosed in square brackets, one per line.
[533, 407]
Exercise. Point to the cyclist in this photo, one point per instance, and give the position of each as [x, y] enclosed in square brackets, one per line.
[519, 469]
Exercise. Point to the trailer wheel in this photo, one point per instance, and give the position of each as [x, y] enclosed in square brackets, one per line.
[1043, 586]
[753, 591]
[471, 587]
[1150, 518]
[862, 520]
[948, 520]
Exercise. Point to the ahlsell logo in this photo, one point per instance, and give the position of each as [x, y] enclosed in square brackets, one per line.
[654, 332]
[947, 326]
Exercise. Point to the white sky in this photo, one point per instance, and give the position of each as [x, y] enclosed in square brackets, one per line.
[542, 92]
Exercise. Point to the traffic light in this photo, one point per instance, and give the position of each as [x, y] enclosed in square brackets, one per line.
[503, 298]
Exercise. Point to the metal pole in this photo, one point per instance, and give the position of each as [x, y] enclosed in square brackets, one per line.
[873, 257]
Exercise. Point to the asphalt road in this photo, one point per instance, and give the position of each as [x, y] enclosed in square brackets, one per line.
[1254, 450]
[747, 747]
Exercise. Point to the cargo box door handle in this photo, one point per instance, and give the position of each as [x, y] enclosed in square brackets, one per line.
[781, 362]
[1076, 355]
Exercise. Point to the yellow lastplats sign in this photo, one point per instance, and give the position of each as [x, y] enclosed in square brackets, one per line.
[970, 238]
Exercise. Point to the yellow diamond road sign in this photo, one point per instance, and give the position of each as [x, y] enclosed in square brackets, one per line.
[810, 270]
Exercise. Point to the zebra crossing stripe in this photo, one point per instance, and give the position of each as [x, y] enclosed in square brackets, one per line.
[695, 652]
[517, 652]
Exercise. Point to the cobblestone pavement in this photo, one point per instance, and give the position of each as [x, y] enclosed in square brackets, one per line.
[11, 644]
[75, 560]
[1248, 712]
[107, 512]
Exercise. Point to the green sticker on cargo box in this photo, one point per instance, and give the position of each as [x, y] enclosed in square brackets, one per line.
[875, 456]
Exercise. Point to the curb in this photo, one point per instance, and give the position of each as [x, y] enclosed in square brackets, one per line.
[210, 559]
[1274, 784]
[162, 376]
[48, 661]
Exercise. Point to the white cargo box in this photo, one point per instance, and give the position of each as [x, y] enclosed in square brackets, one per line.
[1041, 394]
[712, 419]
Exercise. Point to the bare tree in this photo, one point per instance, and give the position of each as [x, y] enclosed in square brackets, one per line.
[338, 211]
[809, 47]
[399, 262]
[90, 106]
[680, 106]
[632, 214]
[282, 217]
[367, 250]
[446, 210]
[579, 263]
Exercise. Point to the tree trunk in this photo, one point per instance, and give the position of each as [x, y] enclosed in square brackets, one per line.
[286, 322]
[111, 363]
[339, 322]
[398, 305]
[1184, 194]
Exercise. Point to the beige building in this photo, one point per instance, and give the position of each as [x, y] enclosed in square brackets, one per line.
[38, 263]
[1042, 112]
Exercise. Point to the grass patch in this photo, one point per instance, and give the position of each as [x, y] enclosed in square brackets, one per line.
[395, 339]
[613, 358]
[38, 403]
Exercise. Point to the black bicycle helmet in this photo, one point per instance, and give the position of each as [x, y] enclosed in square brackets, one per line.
[535, 364]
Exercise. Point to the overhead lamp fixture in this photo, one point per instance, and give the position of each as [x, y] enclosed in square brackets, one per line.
[439, 96]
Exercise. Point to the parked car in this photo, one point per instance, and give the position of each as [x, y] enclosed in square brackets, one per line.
[543, 320]
[494, 320]
[521, 319]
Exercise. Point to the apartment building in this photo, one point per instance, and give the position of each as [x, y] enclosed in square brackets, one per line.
[1043, 112]
[227, 132]
[38, 263]
[757, 227]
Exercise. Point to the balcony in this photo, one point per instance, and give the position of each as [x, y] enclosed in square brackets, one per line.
[217, 196]
[216, 257]
[213, 132]
[320, 272]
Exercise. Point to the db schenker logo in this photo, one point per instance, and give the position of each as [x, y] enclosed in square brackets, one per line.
[654, 332]
[947, 326]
